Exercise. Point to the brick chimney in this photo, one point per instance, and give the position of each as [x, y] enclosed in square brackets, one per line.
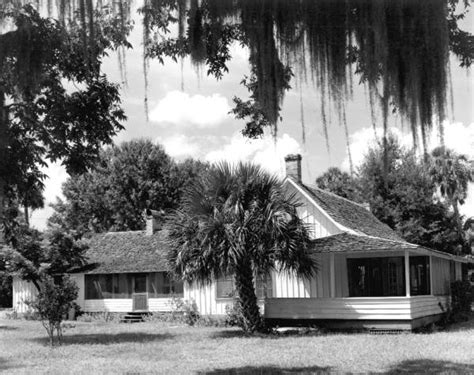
[153, 221]
[293, 167]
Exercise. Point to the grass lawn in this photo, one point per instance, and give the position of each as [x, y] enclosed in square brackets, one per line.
[165, 348]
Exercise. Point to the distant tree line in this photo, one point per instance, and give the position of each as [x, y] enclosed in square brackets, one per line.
[417, 197]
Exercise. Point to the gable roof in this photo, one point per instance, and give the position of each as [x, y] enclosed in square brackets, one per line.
[120, 252]
[350, 215]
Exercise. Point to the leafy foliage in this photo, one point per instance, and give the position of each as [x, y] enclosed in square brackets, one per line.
[126, 180]
[238, 221]
[340, 183]
[401, 193]
[53, 303]
[33, 256]
[55, 103]
[384, 42]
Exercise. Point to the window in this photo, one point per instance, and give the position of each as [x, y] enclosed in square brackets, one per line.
[376, 277]
[225, 287]
[157, 284]
[161, 285]
[419, 275]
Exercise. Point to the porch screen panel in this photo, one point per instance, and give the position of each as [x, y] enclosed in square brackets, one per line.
[161, 285]
[376, 277]
[419, 275]
[107, 286]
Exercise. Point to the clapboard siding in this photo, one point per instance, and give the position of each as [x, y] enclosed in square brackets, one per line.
[441, 275]
[374, 308]
[389, 308]
[108, 305]
[318, 222]
[23, 291]
[126, 305]
[289, 285]
[205, 301]
[204, 298]
[428, 305]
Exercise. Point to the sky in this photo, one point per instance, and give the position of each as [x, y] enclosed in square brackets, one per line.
[189, 116]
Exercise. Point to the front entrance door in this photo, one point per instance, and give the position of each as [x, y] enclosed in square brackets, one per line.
[140, 295]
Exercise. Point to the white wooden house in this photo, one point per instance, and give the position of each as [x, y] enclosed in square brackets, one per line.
[368, 276]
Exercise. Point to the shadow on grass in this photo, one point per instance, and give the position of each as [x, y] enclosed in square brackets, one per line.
[428, 366]
[6, 365]
[268, 370]
[7, 328]
[106, 339]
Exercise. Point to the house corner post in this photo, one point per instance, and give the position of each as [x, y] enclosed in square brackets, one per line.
[407, 273]
[332, 275]
[431, 275]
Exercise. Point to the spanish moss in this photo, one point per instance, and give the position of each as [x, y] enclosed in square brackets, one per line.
[399, 49]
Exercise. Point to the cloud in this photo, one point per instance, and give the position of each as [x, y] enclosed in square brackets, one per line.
[57, 175]
[457, 136]
[181, 109]
[264, 151]
[179, 145]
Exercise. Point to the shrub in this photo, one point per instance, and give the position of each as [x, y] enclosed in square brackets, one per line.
[459, 308]
[53, 303]
[461, 297]
[234, 316]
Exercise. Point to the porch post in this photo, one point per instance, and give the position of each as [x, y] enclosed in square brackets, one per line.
[407, 273]
[431, 275]
[332, 275]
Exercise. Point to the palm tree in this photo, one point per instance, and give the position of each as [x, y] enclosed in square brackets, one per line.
[451, 172]
[238, 220]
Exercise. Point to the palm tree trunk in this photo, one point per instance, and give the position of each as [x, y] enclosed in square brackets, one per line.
[244, 283]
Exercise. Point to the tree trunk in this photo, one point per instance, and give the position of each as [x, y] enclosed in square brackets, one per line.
[457, 218]
[3, 157]
[244, 282]
[27, 218]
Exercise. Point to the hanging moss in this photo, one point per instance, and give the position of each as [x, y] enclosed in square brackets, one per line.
[399, 49]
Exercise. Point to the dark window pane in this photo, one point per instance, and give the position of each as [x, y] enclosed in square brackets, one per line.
[140, 281]
[376, 277]
[419, 275]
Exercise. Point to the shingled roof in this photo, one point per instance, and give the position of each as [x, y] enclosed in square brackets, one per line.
[346, 242]
[134, 251]
[353, 243]
[350, 214]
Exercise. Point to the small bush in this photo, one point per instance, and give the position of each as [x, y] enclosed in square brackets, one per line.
[53, 303]
[12, 315]
[459, 309]
[234, 316]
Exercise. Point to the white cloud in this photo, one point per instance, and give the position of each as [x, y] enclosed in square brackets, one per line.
[182, 109]
[180, 145]
[457, 136]
[57, 175]
[264, 151]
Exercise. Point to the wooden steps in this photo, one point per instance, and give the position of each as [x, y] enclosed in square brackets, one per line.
[133, 317]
